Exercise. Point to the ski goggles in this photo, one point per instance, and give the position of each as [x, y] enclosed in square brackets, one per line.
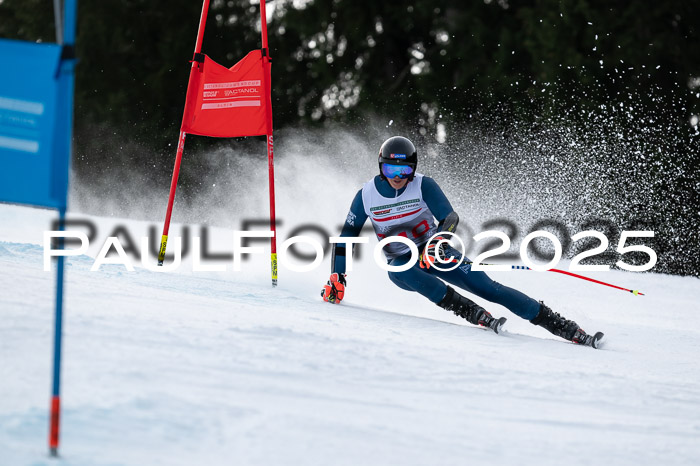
[392, 171]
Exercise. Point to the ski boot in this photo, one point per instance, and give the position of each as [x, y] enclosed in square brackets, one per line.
[470, 311]
[582, 338]
[562, 327]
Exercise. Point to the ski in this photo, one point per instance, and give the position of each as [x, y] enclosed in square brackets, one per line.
[582, 338]
[497, 324]
[488, 321]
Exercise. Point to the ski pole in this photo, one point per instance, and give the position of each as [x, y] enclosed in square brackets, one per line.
[522, 267]
[634, 292]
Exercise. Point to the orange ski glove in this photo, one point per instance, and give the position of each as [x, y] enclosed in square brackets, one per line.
[334, 290]
[431, 253]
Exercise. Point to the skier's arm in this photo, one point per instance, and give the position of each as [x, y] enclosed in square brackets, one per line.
[334, 290]
[450, 222]
[439, 205]
[353, 226]
[447, 218]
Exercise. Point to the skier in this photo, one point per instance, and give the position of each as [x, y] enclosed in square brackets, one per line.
[401, 202]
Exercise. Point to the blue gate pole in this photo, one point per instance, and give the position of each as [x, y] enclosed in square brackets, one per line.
[66, 81]
[57, 341]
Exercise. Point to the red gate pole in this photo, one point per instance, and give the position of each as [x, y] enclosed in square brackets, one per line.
[181, 139]
[271, 167]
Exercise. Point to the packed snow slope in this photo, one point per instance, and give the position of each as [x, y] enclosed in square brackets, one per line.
[191, 368]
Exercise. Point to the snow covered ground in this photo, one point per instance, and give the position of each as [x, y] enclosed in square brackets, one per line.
[219, 368]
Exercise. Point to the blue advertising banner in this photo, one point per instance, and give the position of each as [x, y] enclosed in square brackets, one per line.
[35, 123]
[36, 127]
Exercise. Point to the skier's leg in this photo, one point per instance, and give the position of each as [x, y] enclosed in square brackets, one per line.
[469, 310]
[420, 281]
[416, 279]
[564, 328]
[480, 284]
[518, 303]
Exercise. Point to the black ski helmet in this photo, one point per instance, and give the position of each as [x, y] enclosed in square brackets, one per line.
[398, 150]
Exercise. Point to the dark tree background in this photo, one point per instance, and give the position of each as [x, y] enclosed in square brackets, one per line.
[489, 64]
